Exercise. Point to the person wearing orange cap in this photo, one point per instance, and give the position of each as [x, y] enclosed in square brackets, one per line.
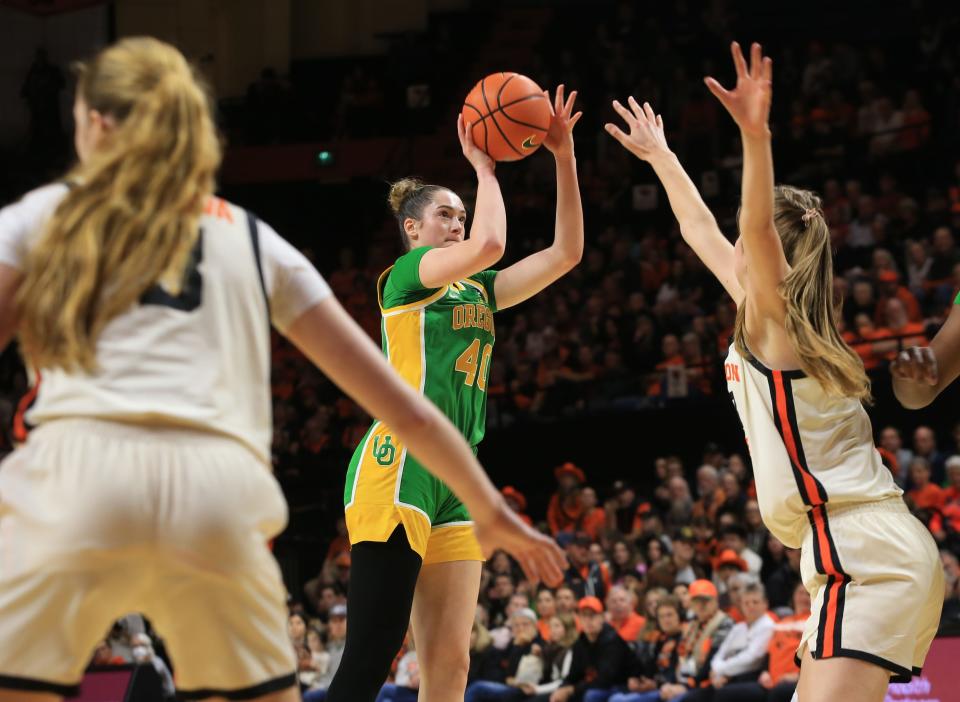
[889, 287]
[565, 511]
[703, 638]
[517, 502]
[601, 660]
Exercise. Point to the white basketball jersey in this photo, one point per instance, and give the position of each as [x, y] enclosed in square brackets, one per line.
[200, 358]
[807, 448]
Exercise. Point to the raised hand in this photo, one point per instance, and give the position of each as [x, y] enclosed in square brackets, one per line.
[475, 155]
[646, 139]
[559, 139]
[749, 102]
[917, 364]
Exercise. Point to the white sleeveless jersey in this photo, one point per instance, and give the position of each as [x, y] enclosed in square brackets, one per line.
[200, 358]
[807, 448]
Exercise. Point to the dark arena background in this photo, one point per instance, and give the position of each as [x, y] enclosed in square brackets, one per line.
[618, 367]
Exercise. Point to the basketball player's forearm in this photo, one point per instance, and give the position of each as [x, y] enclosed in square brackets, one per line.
[568, 234]
[914, 395]
[685, 201]
[489, 228]
[756, 213]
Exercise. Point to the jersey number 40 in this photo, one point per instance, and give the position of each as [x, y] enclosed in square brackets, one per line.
[468, 363]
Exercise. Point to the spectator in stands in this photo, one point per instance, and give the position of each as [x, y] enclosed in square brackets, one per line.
[500, 594]
[710, 495]
[782, 581]
[585, 577]
[503, 634]
[557, 656]
[319, 658]
[679, 567]
[925, 446]
[623, 561]
[484, 658]
[565, 510]
[891, 440]
[406, 683]
[924, 494]
[701, 641]
[622, 613]
[735, 538]
[502, 688]
[336, 640]
[741, 656]
[600, 659]
[889, 287]
[297, 629]
[517, 502]
[904, 332]
[656, 664]
[566, 600]
[594, 519]
[778, 682]
[546, 611]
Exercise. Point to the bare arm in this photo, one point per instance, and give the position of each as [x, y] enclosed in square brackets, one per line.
[327, 335]
[488, 233]
[527, 277]
[749, 105]
[921, 373]
[646, 141]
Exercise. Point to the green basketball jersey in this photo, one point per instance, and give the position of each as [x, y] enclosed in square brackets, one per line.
[440, 340]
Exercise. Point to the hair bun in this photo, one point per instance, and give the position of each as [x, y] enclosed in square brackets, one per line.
[401, 190]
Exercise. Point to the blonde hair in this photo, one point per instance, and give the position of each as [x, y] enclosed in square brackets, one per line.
[570, 632]
[132, 218]
[484, 640]
[807, 290]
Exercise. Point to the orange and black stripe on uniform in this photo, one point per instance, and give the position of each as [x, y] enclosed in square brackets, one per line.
[814, 495]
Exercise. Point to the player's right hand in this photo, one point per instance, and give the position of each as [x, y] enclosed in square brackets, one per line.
[645, 139]
[475, 155]
[917, 364]
[539, 556]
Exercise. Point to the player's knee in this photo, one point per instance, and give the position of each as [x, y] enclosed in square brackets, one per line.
[446, 665]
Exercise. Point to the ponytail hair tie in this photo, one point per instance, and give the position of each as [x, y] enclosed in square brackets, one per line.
[809, 214]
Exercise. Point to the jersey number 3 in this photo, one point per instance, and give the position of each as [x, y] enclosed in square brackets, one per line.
[471, 361]
[191, 294]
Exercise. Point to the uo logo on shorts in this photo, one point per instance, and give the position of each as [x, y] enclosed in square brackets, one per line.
[384, 453]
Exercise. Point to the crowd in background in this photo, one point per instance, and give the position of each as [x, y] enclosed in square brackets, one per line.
[676, 589]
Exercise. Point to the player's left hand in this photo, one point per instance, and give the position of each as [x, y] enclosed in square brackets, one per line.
[559, 139]
[749, 101]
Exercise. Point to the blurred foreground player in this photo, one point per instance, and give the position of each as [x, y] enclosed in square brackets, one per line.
[147, 304]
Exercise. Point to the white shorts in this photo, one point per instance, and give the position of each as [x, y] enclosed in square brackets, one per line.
[99, 519]
[875, 580]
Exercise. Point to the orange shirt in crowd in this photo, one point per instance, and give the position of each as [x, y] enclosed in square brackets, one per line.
[783, 645]
[927, 497]
[630, 627]
[562, 517]
[543, 625]
[594, 522]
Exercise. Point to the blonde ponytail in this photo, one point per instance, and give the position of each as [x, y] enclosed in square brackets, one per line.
[807, 291]
[132, 218]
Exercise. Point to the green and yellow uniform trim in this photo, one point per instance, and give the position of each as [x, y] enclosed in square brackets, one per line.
[440, 341]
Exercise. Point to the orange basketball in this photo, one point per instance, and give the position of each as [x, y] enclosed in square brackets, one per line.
[509, 115]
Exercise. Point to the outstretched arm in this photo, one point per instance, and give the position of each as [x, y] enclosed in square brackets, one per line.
[749, 105]
[328, 336]
[922, 372]
[647, 142]
[488, 232]
[527, 277]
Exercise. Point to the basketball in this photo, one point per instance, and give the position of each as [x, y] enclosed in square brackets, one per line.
[509, 116]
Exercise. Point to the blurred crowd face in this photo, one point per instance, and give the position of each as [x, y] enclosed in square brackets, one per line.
[682, 592]
[652, 600]
[588, 498]
[337, 628]
[557, 630]
[503, 587]
[296, 627]
[753, 605]
[919, 473]
[592, 622]
[704, 608]
[668, 620]
[924, 441]
[523, 629]
[516, 602]
[621, 553]
[707, 481]
[683, 551]
[596, 553]
[619, 603]
[751, 514]
[566, 601]
[546, 604]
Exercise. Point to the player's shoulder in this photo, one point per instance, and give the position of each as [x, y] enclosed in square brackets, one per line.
[42, 200]
[217, 210]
